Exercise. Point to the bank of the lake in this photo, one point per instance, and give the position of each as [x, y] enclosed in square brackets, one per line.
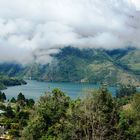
[6, 81]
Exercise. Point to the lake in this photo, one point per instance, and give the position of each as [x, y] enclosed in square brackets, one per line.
[34, 89]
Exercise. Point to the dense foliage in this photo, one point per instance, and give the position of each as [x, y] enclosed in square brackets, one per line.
[15, 114]
[98, 116]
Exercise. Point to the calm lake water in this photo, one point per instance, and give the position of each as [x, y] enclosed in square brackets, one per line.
[34, 89]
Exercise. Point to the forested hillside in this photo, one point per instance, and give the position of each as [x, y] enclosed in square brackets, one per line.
[6, 81]
[83, 65]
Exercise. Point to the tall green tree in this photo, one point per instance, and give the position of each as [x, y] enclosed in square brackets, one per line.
[47, 120]
[13, 100]
[20, 97]
[96, 117]
[2, 96]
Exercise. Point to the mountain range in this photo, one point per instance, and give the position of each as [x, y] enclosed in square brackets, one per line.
[83, 65]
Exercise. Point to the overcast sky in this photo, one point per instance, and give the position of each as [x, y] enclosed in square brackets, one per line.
[40, 27]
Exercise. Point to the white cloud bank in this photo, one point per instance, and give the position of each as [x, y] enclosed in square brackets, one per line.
[30, 28]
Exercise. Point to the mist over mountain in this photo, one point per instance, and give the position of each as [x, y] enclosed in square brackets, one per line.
[83, 55]
[36, 36]
[36, 29]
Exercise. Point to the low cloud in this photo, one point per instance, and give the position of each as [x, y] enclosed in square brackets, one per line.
[34, 29]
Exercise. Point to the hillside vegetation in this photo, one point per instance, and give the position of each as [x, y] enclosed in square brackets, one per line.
[6, 81]
[86, 65]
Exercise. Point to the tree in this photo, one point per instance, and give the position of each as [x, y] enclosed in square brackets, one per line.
[20, 97]
[2, 97]
[13, 100]
[96, 117]
[30, 102]
[48, 117]
[9, 112]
